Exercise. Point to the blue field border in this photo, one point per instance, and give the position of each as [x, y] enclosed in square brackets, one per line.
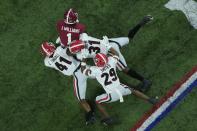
[172, 105]
[193, 83]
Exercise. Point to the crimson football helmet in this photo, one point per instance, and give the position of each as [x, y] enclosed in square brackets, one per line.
[100, 60]
[76, 46]
[47, 48]
[71, 17]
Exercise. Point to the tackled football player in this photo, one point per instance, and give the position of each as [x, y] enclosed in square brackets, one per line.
[62, 60]
[70, 29]
[94, 46]
[105, 73]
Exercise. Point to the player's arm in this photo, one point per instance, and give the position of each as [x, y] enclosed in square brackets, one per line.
[82, 28]
[113, 52]
[114, 57]
[62, 34]
[108, 47]
[48, 62]
[85, 70]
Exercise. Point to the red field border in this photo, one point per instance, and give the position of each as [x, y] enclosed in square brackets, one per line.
[168, 102]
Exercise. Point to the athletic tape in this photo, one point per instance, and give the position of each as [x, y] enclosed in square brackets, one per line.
[168, 102]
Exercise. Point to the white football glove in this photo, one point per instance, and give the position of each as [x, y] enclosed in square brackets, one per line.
[105, 40]
[58, 41]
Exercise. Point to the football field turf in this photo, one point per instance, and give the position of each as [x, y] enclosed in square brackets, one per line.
[36, 98]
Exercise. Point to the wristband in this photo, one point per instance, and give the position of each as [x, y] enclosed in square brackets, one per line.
[116, 57]
[83, 63]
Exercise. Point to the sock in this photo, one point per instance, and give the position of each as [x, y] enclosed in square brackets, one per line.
[135, 75]
[134, 30]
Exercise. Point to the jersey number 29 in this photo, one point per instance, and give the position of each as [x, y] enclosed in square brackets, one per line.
[112, 74]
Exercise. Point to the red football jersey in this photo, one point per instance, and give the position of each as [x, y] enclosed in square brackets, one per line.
[68, 32]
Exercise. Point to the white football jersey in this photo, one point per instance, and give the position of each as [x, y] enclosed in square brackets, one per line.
[107, 75]
[62, 62]
[93, 46]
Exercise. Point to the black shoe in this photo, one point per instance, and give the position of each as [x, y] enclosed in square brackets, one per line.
[154, 100]
[109, 121]
[146, 19]
[90, 118]
[146, 84]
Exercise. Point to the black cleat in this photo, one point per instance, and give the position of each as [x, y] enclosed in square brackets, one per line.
[90, 118]
[154, 100]
[109, 121]
[146, 84]
[146, 19]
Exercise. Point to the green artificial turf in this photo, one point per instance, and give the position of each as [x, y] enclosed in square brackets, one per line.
[36, 98]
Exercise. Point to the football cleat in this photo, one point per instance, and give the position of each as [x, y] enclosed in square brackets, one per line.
[109, 121]
[100, 60]
[71, 17]
[146, 19]
[90, 118]
[154, 100]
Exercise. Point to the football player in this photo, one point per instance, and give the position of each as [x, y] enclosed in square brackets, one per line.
[105, 73]
[62, 60]
[93, 46]
[69, 28]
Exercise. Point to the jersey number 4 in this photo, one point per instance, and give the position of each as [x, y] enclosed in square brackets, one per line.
[62, 66]
[112, 74]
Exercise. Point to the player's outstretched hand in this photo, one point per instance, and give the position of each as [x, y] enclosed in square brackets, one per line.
[105, 40]
[146, 19]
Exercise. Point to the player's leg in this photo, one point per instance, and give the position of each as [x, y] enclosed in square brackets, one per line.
[100, 101]
[135, 29]
[122, 66]
[120, 41]
[142, 96]
[145, 82]
[126, 90]
[80, 85]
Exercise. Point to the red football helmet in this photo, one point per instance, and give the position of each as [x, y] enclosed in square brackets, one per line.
[71, 17]
[76, 46]
[47, 48]
[100, 60]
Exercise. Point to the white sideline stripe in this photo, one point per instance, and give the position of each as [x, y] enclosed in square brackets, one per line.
[171, 99]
